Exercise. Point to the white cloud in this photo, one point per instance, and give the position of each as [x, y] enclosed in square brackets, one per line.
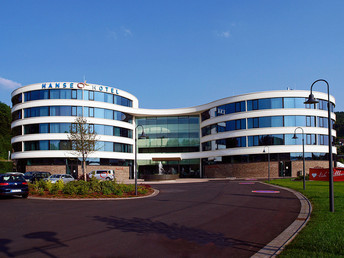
[224, 34]
[8, 84]
[127, 32]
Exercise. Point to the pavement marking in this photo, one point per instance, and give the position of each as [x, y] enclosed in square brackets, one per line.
[248, 183]
[265, 191]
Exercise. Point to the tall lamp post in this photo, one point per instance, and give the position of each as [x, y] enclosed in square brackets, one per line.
[268, 161]
[142, 136]
[311, 100]
[303, 154]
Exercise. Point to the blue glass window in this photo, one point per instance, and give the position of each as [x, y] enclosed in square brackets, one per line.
[294, 103]
[230, 108]
[108, 98]
[272, 103]
[267, 121]
[43, 128]
[99, 96]
[263, 140]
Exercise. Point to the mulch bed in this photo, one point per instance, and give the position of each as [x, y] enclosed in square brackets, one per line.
[91, 195]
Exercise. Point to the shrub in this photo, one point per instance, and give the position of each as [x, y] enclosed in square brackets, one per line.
[41, 191]
[108, 187]
[82, 187]
[70, 188]
[59, 185]
[47, 185]
[94, 185]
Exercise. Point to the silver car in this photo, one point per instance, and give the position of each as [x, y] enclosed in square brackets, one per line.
[103, 174]
[65, 178]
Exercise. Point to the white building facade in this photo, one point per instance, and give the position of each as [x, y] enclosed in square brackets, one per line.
[224, 138]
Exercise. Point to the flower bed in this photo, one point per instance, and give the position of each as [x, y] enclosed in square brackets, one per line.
[91, 189]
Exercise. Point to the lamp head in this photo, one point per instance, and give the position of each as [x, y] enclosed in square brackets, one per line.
[311, 100]
[294, 137]
[264, 150]
[143, 136]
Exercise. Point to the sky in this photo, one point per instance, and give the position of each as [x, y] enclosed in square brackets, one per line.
[173, 53]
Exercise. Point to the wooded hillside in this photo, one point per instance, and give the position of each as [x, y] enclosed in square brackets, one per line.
[5, 130]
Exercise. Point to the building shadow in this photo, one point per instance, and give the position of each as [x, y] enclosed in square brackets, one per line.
[175, 231]
[4, 249]
[51, 242]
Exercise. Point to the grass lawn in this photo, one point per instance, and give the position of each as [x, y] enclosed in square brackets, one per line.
[323, 235]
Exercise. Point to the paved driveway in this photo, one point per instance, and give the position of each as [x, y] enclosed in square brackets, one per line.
[211, 219]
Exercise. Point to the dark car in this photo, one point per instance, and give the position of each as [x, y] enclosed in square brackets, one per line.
[36, 176]
[13, 184]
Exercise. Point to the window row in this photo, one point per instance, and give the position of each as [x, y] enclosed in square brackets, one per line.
[267, 121]
[65, 128]
[66, 145]
[265, 140]
[228, 143]
[260, 104]
[232, 125]
[282, 158]
[72, 94]
[77, 111]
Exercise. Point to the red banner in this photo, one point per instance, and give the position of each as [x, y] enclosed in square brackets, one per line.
[321, 174]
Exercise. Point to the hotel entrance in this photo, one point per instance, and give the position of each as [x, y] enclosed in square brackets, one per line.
[183, 168]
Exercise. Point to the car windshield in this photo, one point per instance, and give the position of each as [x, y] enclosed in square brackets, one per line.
[55, 176]
[11, 178]
[28, 173]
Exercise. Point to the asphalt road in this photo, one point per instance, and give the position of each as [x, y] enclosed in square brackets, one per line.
[211, 219]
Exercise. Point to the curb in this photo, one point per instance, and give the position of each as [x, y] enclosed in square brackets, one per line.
[277, 245]
[156, 192]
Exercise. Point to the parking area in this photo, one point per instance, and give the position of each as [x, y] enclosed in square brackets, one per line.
[207, 219]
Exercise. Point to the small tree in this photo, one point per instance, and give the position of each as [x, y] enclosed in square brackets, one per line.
[83, 140]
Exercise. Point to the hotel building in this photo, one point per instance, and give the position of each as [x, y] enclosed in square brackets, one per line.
[229, 137]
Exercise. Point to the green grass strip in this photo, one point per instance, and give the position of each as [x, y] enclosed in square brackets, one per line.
[323, 236]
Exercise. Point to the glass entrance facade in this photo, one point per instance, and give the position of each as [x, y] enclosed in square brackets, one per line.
[173, 134]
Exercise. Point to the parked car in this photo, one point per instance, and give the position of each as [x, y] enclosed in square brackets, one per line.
[65, 178]
[36, 175]
[102, 174]
[13, 183]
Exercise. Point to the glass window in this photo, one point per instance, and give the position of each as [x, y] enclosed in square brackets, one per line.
[263, 140]
[108, 130]
[91, 95]
[54, 128]
[54, 145]
[294, 103]
[108, 114]
[74, 94]
[99, 129]
[31, 129]
[108, 98]
[91, 112]
[54, 94]
[17, 130]
[99, 96]
[17, 99]
[99, 112]
[108, 146]
[43, 128]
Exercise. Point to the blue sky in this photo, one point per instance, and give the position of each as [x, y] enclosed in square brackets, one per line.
[172, 54]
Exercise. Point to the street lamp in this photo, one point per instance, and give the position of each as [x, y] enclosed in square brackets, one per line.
[268, 161]
[142, 136]
[311, 100]
[303, 154]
